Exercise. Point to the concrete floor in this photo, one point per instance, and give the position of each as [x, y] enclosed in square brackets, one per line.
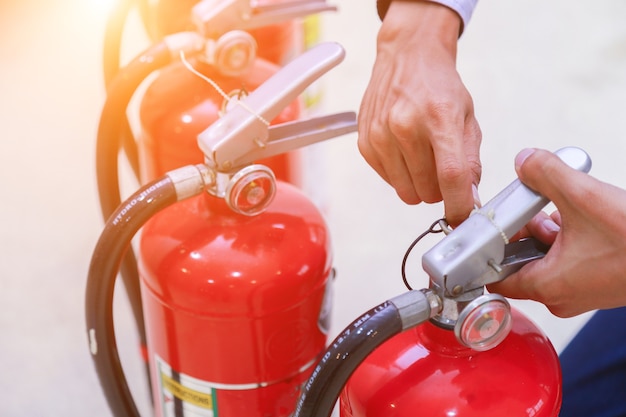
[545, 74]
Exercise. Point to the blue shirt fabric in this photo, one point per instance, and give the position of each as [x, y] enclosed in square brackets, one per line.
[594, 368]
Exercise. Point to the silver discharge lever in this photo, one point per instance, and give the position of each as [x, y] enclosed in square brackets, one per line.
[243, 135]
[478, 252]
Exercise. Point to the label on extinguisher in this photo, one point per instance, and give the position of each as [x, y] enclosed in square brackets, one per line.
[183, 395]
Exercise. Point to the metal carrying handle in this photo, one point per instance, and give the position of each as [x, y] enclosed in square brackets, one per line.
[242, 135]
[473, 254]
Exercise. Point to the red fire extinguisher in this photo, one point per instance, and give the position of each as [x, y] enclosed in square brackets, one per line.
[235, 266]
[179, 104]
[451, 349]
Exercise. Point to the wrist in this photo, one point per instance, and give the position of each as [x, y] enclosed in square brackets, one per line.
[464, 8]
[421, 20]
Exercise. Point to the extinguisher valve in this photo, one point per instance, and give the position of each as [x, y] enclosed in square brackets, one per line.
[232, 54]
[475, 253]
[243, 135]
[478, 253]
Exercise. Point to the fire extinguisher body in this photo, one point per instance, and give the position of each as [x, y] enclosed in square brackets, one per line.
[425, 371]
[236, 307]
[178, 105]
[280, 43]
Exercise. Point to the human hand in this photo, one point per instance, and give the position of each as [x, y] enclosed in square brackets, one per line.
[416, 122]
[585, 266]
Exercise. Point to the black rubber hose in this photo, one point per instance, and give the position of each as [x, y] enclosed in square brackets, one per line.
[113, 35]
[110, 132]
[343, 356]
[119, 94]
[114, 241]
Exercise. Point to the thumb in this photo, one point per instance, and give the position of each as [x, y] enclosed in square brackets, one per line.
[546, 173]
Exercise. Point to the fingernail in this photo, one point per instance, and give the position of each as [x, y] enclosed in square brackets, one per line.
[476, 196]
[521, 157]
[551, 226]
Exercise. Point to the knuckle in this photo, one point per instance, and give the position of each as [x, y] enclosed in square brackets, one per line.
[401, 123]
[431, 196]
[452, 172]
[408, 195]
[476, 168]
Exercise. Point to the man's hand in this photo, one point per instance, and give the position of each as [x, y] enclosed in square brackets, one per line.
[416, 123]
[585, 267]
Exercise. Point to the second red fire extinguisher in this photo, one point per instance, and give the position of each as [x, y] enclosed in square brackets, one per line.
[235, 282]
[178, 104]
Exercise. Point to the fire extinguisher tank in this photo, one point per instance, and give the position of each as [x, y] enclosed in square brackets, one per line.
[215, 285]
[426, 372]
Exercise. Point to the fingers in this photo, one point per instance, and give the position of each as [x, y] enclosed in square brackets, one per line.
[426, 167]
[413, 139]
[583, 270]
[427, 153]
[379, 147]
[564, 297]
[544, 227]
[416, 123]
[524, 284]
[459, 170]
[393, 170]
[548, 175]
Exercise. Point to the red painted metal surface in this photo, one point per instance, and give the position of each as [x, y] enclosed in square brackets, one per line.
[426, 372]
[235, 306]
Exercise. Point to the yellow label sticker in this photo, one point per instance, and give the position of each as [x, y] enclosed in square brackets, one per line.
[183, 393]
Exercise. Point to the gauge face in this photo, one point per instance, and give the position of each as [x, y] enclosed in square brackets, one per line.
[251, 190]
[484, 323]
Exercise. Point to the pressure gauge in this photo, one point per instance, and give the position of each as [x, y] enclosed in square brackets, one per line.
[484, 323]
[251, 190]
